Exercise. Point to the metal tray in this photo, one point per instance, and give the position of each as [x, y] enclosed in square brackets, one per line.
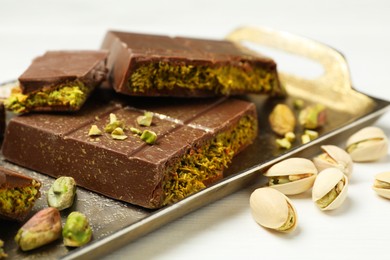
[115, 223]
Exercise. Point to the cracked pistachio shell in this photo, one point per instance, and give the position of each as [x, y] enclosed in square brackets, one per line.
[293, 166]
[368, 144]
[272, 209]
[334, 156]
[382, 184]
[326, 180]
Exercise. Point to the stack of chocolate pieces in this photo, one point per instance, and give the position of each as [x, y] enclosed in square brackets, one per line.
[183, 84]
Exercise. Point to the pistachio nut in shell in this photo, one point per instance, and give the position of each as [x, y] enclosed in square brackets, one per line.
[334, 156]
[330, 189]
[382, 184]
[368, 144]
[273, 210]
[292, 176]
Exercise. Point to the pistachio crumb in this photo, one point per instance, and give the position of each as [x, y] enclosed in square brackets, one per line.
[118, 134]
[146, 119]
[135, 131]
[305, 138]
[311, 133]
[149, 136]
[113, 124]
[290, 136]
[283, 143]
[94, 131]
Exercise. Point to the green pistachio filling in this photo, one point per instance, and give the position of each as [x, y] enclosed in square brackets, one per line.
[381, 184]
[72, 95]
[290, 222]
[277, 180]
[331, 195]
[206, 162]
[18, 200]
[220, 80]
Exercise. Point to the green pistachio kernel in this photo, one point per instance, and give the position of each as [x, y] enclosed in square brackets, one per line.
[113, 124]
[118, 134]
[146, 119]
[305, 139]
[77, 231]
[43, 228]
[135, 131]
[149, 136]
[311, 133]
[283, 143]
[94, 131]
[62, 193]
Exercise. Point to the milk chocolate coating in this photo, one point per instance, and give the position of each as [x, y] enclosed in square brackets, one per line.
[57, 67]
[130, 50]
[2, 120]
[10, 179]
[129, 170]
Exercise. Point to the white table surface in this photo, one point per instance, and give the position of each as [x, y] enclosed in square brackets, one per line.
[225, 229]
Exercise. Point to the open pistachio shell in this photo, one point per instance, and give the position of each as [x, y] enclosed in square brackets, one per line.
[368, 144]
[291, 167]
[334, 156]
[325, 183]
[382, 184]
[272, 209]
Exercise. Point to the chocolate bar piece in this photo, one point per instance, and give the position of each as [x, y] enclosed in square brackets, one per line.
[152, 65]
[18, 194]
[58, 81]
[196, 141]
[2, 120]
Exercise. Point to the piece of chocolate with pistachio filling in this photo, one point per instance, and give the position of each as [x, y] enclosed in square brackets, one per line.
[18, 194]
[58, 81]
[194, 141]
[154, 65]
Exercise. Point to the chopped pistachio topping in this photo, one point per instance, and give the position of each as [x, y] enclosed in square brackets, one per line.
[113, 124]
[18, 200]
[290, 136]
[149, 137]
[135, 131]
[290, 222]
[283, 143]
[305, 138]
[206, 162]
[94, 131]
[331, 195]
[118, 134]
[72, 95]
[77, 231]
[381, 184]
[146, 119]
[311, 133]
[221, 80]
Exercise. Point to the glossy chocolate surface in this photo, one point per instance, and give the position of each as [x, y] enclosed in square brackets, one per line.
[129, 50]
[129, 170]
[58, 67]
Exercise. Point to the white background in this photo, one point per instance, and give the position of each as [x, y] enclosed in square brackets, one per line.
[225, 229]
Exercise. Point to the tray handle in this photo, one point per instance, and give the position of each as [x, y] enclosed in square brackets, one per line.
[333, 88]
